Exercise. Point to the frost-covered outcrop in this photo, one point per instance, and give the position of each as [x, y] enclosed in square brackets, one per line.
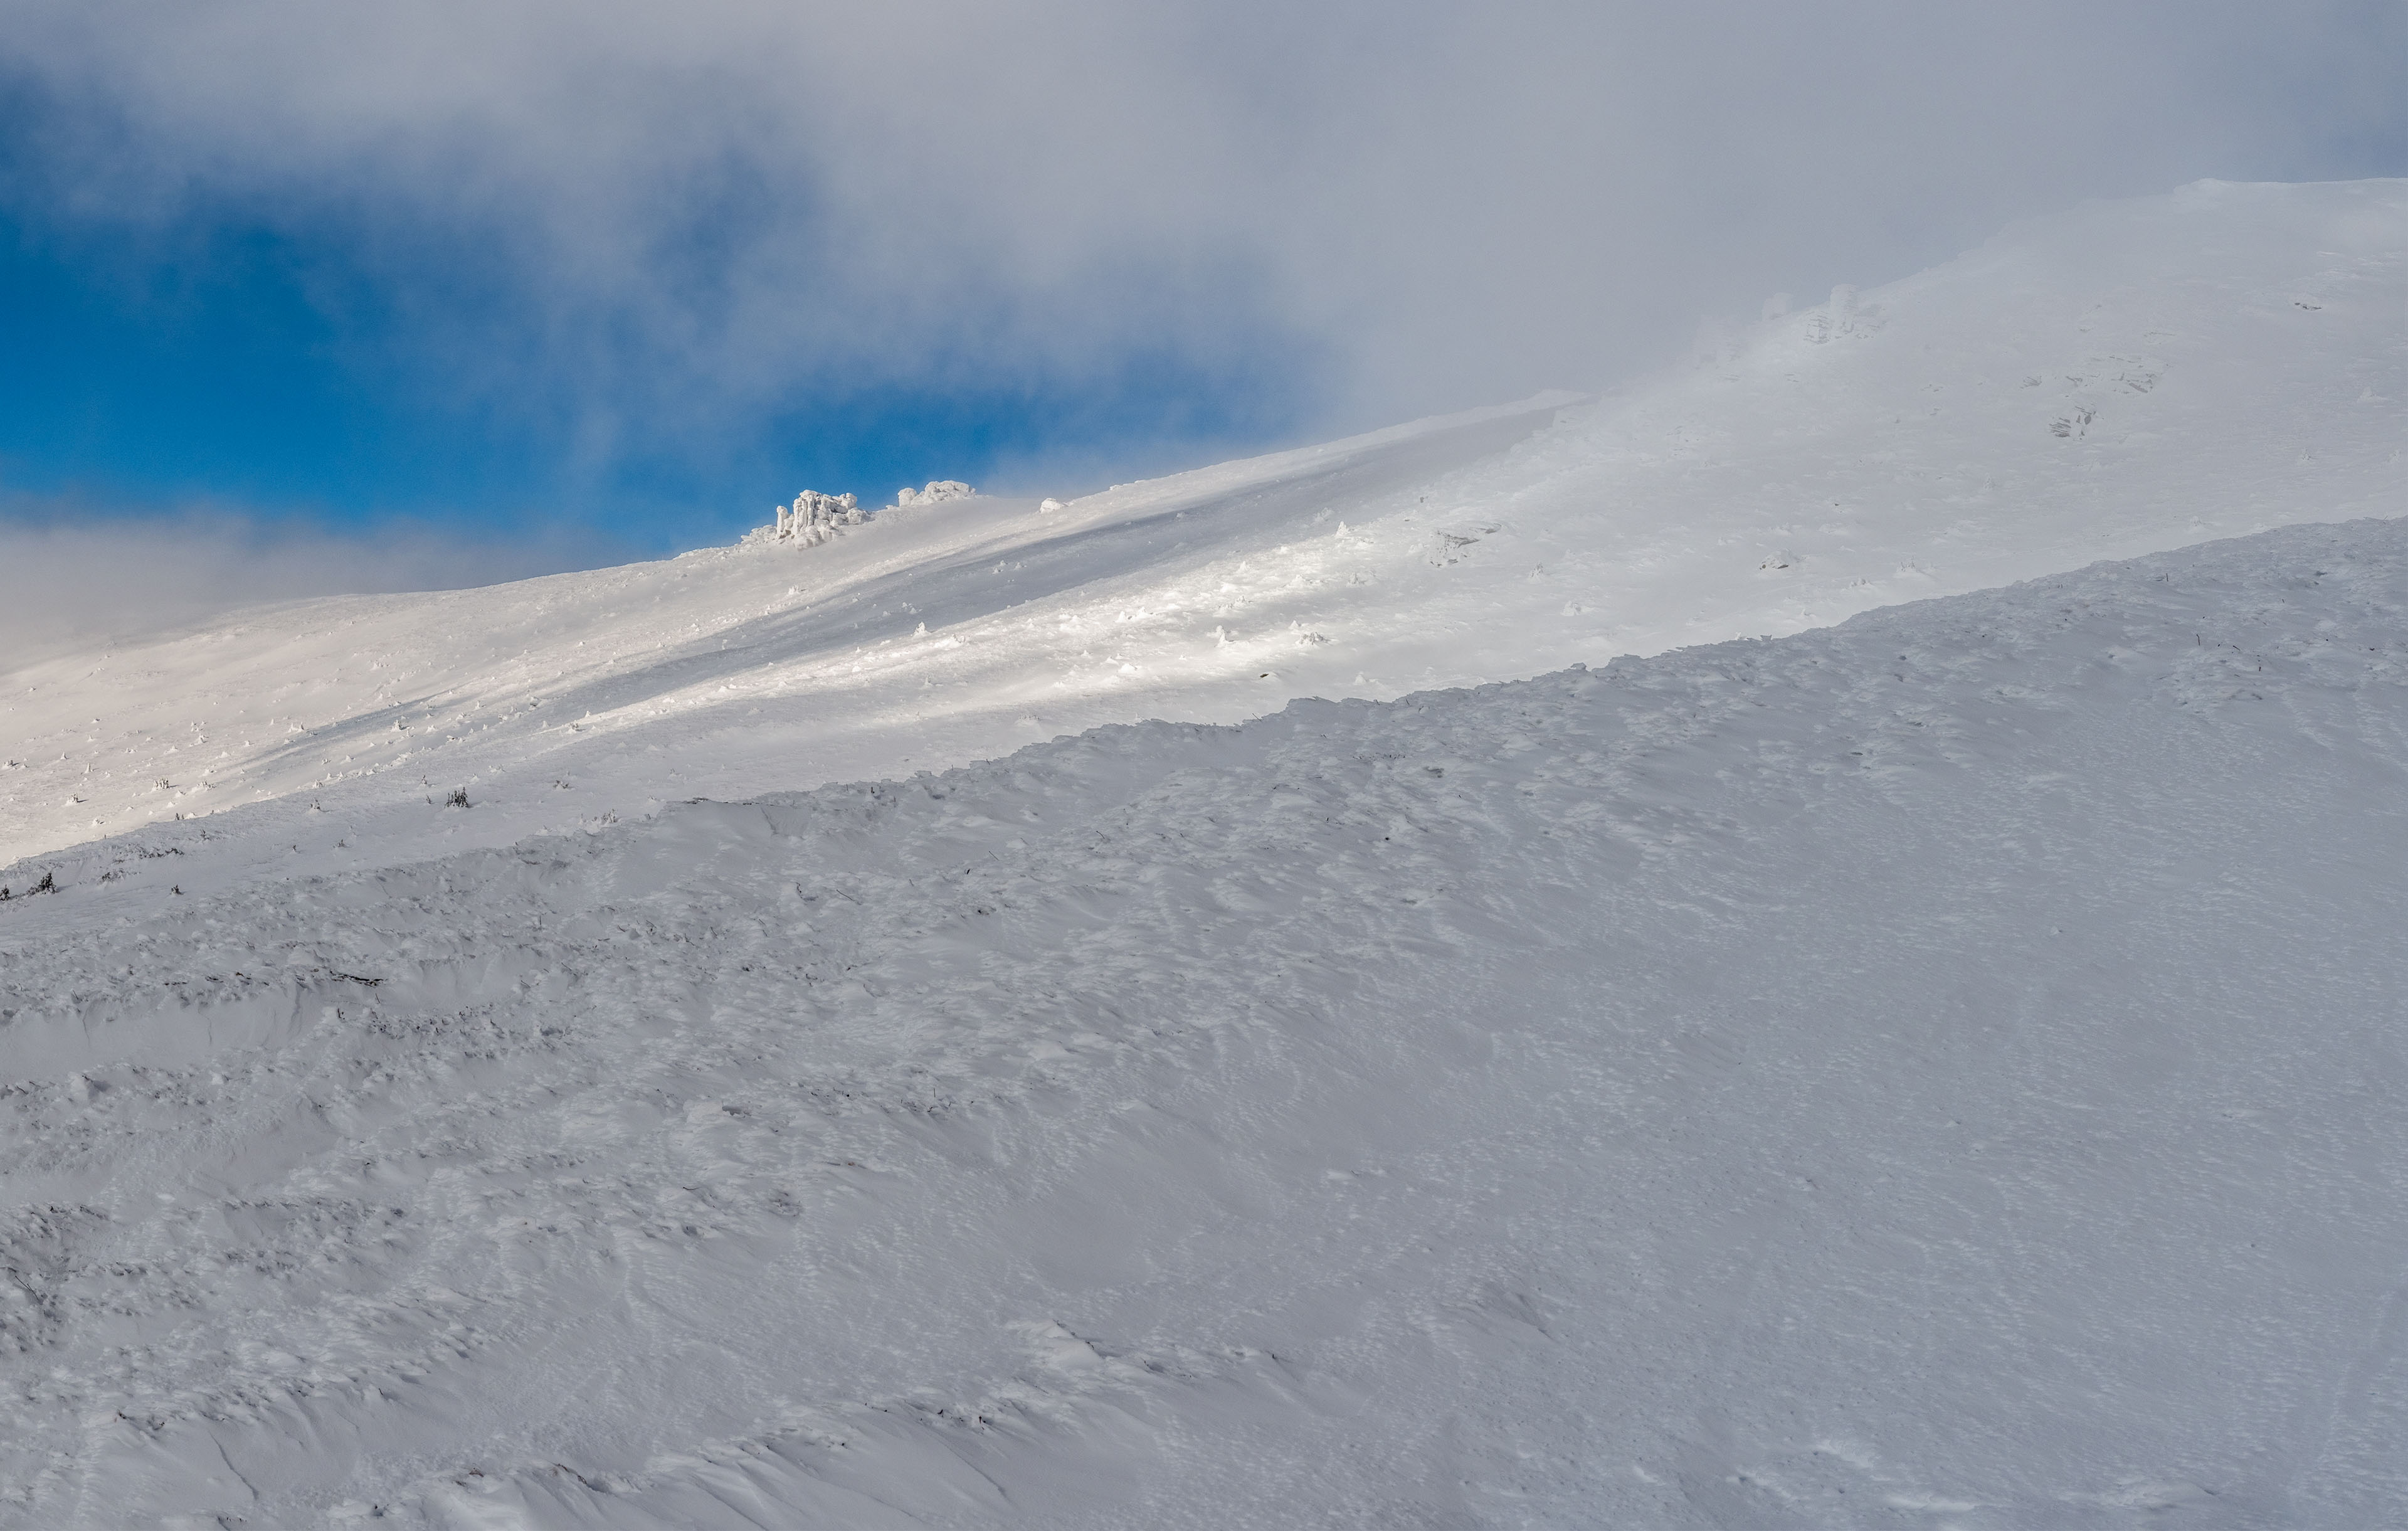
[938, 489]
[811, 520]
[815, 517]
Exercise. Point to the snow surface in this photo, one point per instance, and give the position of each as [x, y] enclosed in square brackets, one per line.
[2223, 359]
[1941, 1069]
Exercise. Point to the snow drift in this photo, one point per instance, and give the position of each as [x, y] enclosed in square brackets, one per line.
[472, 1059]
[1936, 1071]
[2127, 378]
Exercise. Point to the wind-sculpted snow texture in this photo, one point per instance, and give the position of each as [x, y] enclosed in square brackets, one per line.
[1944, 1070]
[2121, 379]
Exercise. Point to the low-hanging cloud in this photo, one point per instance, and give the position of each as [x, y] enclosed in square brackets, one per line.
[70, 578]
[659, 223]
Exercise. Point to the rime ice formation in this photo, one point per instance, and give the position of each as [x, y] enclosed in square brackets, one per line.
[938, 491]
[811, 520]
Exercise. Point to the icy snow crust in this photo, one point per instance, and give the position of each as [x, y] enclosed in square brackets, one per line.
[2124, 379]
[1938, 1070]
[1941, 1070]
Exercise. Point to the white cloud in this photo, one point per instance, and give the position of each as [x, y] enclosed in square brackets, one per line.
[66, 580]
[690, 209]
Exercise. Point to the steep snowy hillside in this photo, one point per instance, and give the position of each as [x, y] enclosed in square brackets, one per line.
[2126, 377]
[1938, 1071]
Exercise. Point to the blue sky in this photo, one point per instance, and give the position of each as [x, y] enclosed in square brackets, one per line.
[251, 369]
[609, 281]
[220, 370]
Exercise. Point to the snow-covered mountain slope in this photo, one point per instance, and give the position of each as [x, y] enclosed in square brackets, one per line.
[2128, 377]
[1941, 1070]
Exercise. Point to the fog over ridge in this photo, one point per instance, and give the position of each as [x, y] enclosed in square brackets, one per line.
[695, 212]
[64, 583]
[1164, 234]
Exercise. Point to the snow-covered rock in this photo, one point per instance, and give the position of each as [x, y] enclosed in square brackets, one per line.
[937, 492]
[811, 520]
